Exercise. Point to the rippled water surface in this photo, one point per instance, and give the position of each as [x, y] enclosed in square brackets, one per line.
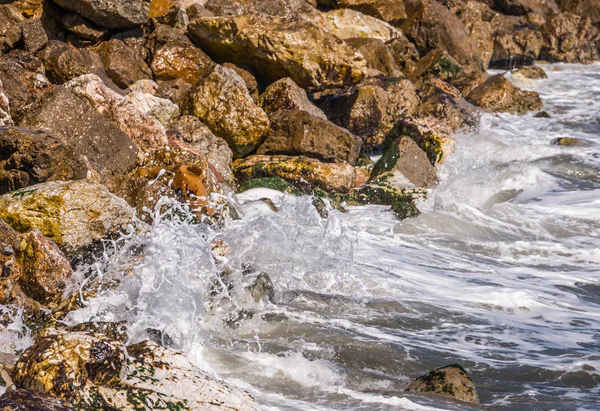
[500, 273]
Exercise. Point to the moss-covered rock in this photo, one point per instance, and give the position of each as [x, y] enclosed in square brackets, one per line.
[451, 380]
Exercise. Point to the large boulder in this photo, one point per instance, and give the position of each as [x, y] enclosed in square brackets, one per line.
[73, 214]
[122, 65]
[298, 170]
[404, 53]
[432, 135]
[347, 23]
[498, 94]
[93, 371]
[516, 48]
[295, 132]
[279, 47]
[303, 9]
[32, 157]
[10, 26]
[284, 94]
[431, 25]
[390, 11]
[377, 55]
[451, 380]
[223, 102]
[583, 8]
[111, 14]
[476, 17]
[106, 149]
[570, 38]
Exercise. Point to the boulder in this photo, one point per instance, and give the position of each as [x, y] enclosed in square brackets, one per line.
[307, 54]
[298, 170]
[223, 102]
[431, 25]
[110, 14]
[198, 136]
[34, 35]
[175, 57]
[432, 135]
[348, 23]
[106, 149]
[498, 94]
[295, 132]
[73, 214]
[284, 94]
[439, 64]
[5, 118]
[92, 371]
[531, 72]
[390, 11]
[477, 18]
[523, 7]
[404, 165]
[161, 109]
[249, 80]
[299, 9]
[32, 157]
[30, 9]
[583, 8]
[10, 26]
[404, 52]
[123, 66]
[516, 48]
[83, 28]
[174, 90]
[146, 132]
[570, 38]
[377, 55]
[19, 399]
[451, 380]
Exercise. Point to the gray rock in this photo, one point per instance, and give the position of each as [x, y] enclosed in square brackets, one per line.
[34, 35]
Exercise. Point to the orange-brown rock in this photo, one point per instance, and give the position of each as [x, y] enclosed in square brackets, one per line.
[498, 94]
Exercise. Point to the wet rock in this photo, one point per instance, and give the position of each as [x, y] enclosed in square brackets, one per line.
[404, 52]
[122, 65]
[25, 400]
[146, 132]
[404, 165]
[571, 142]
[5, 118]
[298, 170]
[34, 36]
[386, 10]
[295, 132]
[284, 94]
[83, 28]
[73, 214]
[377, 55]
[32, 157]
[498, 94]
[516, 48]
[249, 80]
[571, 39]
[10, 26]
[348, 23]
[223, 102]
[106, 149]
[319, 58]
[192, 131]
[433, 136]
[451, 380]
[531, 72]
[542, 114]
[262, 288]
[92, 371]
[430, 25]
[583, 8]
[158, 108]
[111, 14]
[175, 57]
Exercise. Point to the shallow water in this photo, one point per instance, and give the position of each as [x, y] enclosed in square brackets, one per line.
[500, 273]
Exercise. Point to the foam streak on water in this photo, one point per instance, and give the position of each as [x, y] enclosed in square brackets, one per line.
[500, 273]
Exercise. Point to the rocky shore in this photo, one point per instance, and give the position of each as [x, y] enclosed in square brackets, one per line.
[108, 107]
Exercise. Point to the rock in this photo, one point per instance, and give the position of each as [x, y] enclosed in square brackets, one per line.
[298, 170]
[249, 80]
[110, 14]
[144, 86]
[390, 11]
[73, 214]
[571, 142]
[19, 400]
[430, 25]
[175, 57]
[108, 151]
[161, 109]
[348, 23]
[571, 39]
[439, 64]
[83, 28]
[404, 52]
[223, 102]
[195, 133]
[122, 65]
[319, 58]
[295, 132]
[298, 9]
[515, 49]
[10, 26]
[477, 18]
[451, 380]
[262, 289]
[174, 90]
[284, 94]
[34, 36]
[146, 132]
[498, 94]
[531, 72]
[5, 118]
[404, 165]
[583, 8]
[92, 371]
[32, 157]
[433, 136]
[377, 55]
[542, 114]
[523, 7]
[30, 9]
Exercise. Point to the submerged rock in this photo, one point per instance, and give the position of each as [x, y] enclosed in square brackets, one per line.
[111, 14]
[451, 380]
[92, 371]
[531, 72]
[498, 94]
